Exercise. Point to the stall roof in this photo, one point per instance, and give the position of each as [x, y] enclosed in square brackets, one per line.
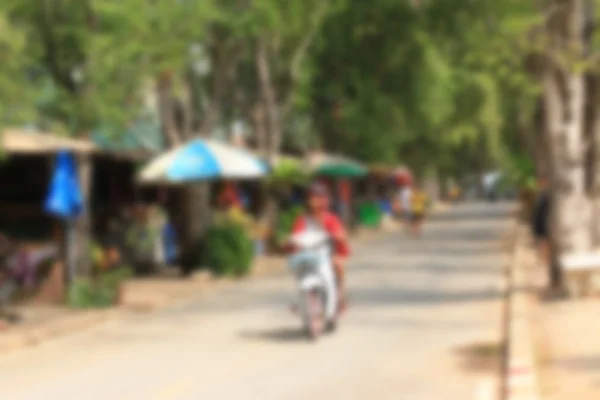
[335, 165]
[381, 169]
[142, 140]
[20, 141]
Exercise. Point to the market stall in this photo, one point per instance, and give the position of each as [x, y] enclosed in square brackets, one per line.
[35, 236]
[203, 160]
[339, 172]
[374, 193]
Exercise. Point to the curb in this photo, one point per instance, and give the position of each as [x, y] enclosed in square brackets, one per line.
[520, 377]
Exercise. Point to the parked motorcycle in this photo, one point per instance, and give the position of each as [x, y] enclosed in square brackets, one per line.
[311, 264]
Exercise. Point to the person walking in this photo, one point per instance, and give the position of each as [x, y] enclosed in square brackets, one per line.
[418, 204]
[541, 221]
[403, 202]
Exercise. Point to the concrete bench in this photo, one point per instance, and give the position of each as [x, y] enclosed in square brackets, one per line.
[579, 269]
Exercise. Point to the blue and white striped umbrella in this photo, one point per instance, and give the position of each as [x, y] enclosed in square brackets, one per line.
[203, 160]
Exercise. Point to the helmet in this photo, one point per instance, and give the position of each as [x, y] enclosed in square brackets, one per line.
[318, 189]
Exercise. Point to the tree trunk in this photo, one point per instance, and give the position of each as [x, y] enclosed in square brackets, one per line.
[565, 127]
[83, 228]
[271, 102]
[188, 106]
[445, 184]
[260, 129]
[197, 211]
[273, 132]
[541, 148]
[570, 202]
[166, 109]
[196, 199]
[595, 163]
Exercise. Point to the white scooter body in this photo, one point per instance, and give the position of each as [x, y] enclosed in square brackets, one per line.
[313, 268]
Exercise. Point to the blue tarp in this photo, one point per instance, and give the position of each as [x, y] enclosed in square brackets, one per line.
[385, 206]
[169, 236]
[64, 199]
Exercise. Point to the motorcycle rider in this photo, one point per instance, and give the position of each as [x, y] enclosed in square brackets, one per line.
[319, 217]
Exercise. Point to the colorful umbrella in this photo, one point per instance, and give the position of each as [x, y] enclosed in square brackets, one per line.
[203, 160]
[336, 166]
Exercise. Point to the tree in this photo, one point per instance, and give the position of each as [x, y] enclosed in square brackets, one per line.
[56, 41]
[16, 92]
[282, 36]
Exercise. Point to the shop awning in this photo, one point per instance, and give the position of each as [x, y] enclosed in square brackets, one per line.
[19, 141]
[336, 166]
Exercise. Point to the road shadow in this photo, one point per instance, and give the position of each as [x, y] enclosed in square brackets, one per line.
[481, 357]
[394, 296]
[465, 235]
[447, 251]
[384, 295]
[483, 212]
[276, 335]
[591, 362]
[445, 269]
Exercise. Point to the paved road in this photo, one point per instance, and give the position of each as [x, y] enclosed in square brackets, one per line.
[425, 315]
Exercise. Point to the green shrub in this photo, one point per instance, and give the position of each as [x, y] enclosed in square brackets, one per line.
[85, 293]
[228, 250]
[99, 292]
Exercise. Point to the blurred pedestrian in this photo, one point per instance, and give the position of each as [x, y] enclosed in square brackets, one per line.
[157, 223]
[541, 221]
[418, 204]
[454, 193]
[403, 203]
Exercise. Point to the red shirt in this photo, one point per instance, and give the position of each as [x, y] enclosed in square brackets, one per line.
[332, 225]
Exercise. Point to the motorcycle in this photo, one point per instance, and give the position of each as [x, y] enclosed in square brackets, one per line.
[311, 264]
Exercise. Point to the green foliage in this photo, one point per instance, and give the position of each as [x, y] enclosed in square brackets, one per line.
[429, 85]
[521, 172]
[98, 292]
[290, 172]
[97, 60]
[228, 250]
[83, 293]
[16, 92]
[101, 289]
[445, 85]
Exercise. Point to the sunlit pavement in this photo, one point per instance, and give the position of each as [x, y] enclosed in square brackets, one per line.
[424, 318]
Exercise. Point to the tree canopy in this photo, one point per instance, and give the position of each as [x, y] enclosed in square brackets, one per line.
[432, 84]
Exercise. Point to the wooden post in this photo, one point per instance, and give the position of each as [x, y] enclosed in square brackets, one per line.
[83, 224]
[197, 212]
[344, 197]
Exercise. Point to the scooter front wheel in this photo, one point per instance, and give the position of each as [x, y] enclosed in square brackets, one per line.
[315, 318]
[331, 326]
